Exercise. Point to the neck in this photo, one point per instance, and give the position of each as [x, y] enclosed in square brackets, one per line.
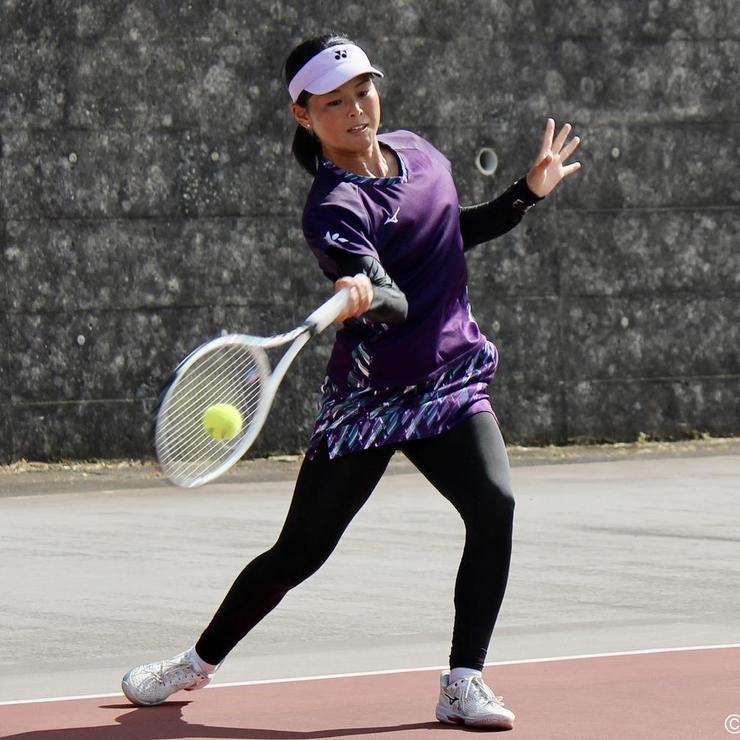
[370, 163]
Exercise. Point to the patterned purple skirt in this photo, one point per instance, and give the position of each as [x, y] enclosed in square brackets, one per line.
[353, 419]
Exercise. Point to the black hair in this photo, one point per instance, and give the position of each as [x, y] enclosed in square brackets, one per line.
[306, 146]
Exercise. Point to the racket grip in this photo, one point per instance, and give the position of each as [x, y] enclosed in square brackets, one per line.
[327, 312]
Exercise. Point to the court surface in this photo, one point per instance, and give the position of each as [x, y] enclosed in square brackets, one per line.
[621, 562]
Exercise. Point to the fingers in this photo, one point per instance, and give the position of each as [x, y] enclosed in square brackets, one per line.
[549, 169]
[360, 295]
[363, 289]
[569, 148]
[546, 145]
[560, 144]
[557, 145]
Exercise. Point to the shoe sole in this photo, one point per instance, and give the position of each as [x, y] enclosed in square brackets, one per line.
[454, 719]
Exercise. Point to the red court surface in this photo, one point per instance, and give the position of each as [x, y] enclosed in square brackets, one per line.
[690, 694]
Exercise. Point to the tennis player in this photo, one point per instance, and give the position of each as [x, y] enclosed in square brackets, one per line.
[409, 368]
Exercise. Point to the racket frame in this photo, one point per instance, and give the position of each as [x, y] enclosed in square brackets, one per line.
[314, 324]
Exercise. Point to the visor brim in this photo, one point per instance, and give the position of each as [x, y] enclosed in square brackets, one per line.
[338, 76]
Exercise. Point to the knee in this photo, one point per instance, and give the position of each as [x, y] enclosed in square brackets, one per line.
[493, 508]
[507, 502]
[502, 504]
[294, 563]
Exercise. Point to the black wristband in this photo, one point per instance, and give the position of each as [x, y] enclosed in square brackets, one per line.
[524, 198]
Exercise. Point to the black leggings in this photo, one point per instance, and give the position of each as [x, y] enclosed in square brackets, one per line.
[467, 464]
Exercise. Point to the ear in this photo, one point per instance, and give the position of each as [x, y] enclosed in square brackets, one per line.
[300, 113]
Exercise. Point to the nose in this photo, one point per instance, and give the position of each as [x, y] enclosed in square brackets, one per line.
[356, 107]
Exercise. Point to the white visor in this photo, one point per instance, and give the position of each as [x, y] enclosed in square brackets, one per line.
[329, 69]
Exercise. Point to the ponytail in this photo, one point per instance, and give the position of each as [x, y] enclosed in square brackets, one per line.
[307, 150]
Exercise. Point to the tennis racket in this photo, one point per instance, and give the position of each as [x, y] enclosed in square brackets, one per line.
[233, 370]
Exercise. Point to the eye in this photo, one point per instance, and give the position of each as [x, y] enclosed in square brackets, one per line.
[364, 93]
[334, 103]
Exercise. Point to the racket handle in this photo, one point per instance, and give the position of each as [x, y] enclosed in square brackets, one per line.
[327, 312]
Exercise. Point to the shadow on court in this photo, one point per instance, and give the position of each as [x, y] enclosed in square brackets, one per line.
[163, 722]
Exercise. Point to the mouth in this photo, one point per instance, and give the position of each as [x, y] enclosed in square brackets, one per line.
[357, 129]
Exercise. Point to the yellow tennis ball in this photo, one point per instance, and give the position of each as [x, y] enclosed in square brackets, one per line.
[222, 421]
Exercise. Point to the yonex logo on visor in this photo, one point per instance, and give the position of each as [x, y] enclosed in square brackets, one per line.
[329, 69]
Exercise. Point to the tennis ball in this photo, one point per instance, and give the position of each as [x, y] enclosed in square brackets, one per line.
[222, 421]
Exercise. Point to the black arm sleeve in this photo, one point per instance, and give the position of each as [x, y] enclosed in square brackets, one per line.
[486, 221]
[389, 304]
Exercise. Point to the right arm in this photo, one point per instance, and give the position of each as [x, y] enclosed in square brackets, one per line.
[386, 302]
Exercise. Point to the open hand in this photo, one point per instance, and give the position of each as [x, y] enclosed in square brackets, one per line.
[550, 167]
[360, 295]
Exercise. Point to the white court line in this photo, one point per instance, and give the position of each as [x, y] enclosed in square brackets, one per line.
[262, 682]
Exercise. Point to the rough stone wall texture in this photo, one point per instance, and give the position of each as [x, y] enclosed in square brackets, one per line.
[149, 200]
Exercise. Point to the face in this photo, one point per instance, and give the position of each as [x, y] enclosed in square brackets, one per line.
[345, 119]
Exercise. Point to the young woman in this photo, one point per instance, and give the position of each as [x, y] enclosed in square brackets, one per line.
[409, 368]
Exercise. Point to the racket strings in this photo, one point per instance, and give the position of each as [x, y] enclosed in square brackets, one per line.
[200, 384]
[232, 374]
[191, 448]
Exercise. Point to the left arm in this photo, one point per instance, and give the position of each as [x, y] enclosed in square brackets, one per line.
[488, 220]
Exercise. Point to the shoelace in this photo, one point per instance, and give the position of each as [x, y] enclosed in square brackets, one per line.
[171, 672]
[483, 691]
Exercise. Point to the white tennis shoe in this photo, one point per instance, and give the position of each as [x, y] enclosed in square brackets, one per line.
[152, 683]
[469, 701]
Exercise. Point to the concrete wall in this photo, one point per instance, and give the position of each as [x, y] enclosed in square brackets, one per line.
[149, 200]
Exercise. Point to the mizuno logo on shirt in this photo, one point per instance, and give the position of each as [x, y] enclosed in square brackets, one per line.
[394, 218]
[334, 238]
